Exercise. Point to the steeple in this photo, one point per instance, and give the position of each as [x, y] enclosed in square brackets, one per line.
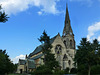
[67, 28]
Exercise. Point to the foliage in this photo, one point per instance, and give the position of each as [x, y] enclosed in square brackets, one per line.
[95, 70]
[6, 66]
[58, 72]
[73, 71]
[82, 70]
[42, 70]
[88, 54]
[50, 63]
[66, 70]
[17, 74]
[3, 16]
[49, 58]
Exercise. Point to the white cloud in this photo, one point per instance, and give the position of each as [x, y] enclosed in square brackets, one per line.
[15, 6]
[92, 30]
[98, 38]
[40, 13]
[16, 59]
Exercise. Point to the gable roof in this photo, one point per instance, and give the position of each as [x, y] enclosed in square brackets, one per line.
[39, 48]
[22, 62]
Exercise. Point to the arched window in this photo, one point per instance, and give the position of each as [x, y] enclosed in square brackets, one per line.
[69, 62]
[58, 49]
[71, 43]
[65, 42]
[65, 57]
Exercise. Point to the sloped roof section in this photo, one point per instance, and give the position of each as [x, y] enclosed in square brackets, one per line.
[39, 48]
[31, 64]
[36, 57]
[52, 39]
[22, 62]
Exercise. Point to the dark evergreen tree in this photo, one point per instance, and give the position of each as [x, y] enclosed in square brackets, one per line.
[87, 54]
[49, 58]
[6, 66]
[3, 16]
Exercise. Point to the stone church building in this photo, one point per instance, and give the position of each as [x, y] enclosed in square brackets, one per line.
[63, 48]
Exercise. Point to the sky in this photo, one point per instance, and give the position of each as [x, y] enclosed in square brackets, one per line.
[29, 18]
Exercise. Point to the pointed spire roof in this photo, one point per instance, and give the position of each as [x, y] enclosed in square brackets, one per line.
[67, 28]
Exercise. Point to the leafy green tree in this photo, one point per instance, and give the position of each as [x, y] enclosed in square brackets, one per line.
[6, 66]
[88, 54]
[49, 58]
[3, 16]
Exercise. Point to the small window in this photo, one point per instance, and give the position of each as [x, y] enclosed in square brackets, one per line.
[65, 42]
[69, 62]
[65, 57]
[70, 43]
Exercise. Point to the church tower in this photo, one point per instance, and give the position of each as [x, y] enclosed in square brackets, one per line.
[68, 36]
[69, 42]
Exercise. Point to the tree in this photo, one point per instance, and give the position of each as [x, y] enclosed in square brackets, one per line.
[42, 70]
[6, 66]
[3, 16]
[88, 54]
[49, 58]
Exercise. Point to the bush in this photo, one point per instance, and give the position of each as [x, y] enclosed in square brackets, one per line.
[73, 71]
[42, 70]
[95, 70]
[82, 70]
[66, 71]
[59, 72]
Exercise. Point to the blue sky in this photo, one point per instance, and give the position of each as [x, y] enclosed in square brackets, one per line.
[29, 18]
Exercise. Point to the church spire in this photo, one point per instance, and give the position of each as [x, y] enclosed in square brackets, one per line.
[67, 28]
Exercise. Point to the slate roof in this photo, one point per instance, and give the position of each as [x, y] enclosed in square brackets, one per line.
[36, 57]
[31, 64]
[22, 62]
[39, 48]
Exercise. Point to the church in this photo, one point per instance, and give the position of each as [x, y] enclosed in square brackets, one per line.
[63, 46]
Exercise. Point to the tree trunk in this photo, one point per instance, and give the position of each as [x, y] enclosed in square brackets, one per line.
[89, 70]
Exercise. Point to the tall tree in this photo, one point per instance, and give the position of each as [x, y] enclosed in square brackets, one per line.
[49, 58]
[88, 54]
[6, 66]
[3, 16]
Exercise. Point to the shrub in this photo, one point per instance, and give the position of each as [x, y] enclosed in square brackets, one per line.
[73, 71]
[66, 71]
[58, 72]
[42, 70]
[95, 70]
[82, 70]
